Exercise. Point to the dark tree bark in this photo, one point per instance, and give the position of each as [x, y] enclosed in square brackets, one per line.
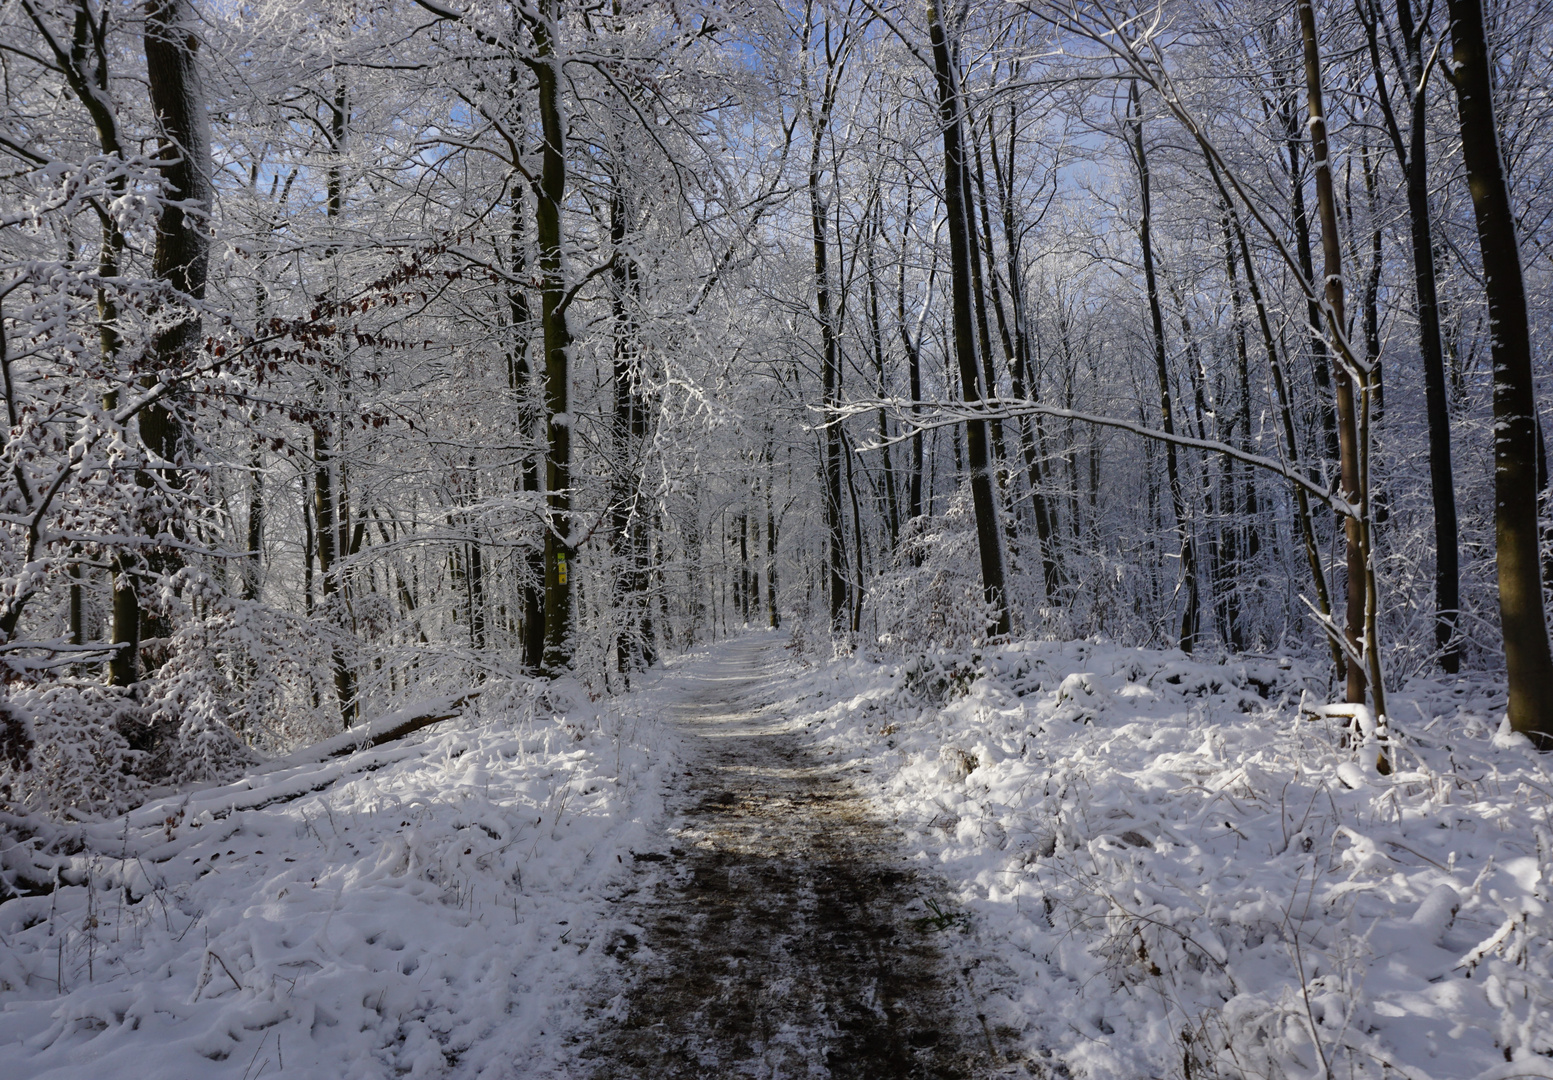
[1304, 515]
[830, 390]
[520, 378]
[858, 550]
[326, 538]
[1005, 338]
[474, 559]
[1252, 538]
[913, 374]
[774, 616]
[1359, 628]
[962, 250]
[634, 648]
[979, 288]
[892, 510]
[1320, 369]
[830, 370]
[1022, 371]
[330, 522]
[181, 260]
[1413, 157]
[253, 566]
[1527, 658]
[1190, 615]
[551, 191]
[182, 257]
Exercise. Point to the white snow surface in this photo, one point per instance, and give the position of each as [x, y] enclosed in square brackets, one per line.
[1163, 867]
[1182, 868]
[421, 909]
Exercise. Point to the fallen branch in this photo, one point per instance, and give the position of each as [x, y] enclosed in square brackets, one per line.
[384, 729]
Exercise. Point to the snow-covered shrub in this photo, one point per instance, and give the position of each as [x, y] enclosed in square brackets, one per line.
[239, 673]
[1189, 869]
[421, 908]
[941, 677]
[79, 761]
[236, 679]
[932, 597]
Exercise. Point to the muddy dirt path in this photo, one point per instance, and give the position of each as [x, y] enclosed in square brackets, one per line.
[778, 933]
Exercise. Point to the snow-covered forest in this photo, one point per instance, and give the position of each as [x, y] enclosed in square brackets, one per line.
[408, 390]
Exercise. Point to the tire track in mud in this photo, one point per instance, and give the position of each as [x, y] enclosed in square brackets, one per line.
[779, 934]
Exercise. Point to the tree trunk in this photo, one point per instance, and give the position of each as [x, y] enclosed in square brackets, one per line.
[560, 551]
[1303, 514]
[1022, 371]
[1412, 156]
[326, 537]
[830, 379]
[1527, 659]
[1320, 369]
[979, 295]
[474, 558]
[913, 374]
[253, 566]
[1252, 541]
[628, 430]
[860, 577]
[181, 260]
[1360, 608]
[520, 379]
[774, 617]
[962, 253]
[892, 510]
[1190, 617]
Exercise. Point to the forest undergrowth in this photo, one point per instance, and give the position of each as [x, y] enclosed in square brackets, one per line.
[421, 908]
[1195, 869]
[1155, 865]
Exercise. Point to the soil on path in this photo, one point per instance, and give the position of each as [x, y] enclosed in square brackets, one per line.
[778, 933]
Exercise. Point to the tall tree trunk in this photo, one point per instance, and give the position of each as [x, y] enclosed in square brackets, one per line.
[520, 379]
[1303, 511]
[474, 557]
[1022, 371]
[962, 254]
[253, 565]
[560, 548]
[330, 532]
[774, 616]
[181, 260]
[327, 539]
[1360, 608]
[913, 374]
[979, 290]
[1527, 658]
[1372, 278]
[1005, 338]
[1220, 547]
[830, 388]
[1413, 156]
[860, 576]
[1190, 615]
[1253, 541]
[892, 510]
[626, 429]
[1320, 369]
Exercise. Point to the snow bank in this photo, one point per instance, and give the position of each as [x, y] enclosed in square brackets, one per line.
[1188, 869]
[421, 909]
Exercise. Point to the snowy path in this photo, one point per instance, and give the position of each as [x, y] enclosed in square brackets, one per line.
[772, 933]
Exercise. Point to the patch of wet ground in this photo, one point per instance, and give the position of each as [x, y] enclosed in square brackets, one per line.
[780, 933]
